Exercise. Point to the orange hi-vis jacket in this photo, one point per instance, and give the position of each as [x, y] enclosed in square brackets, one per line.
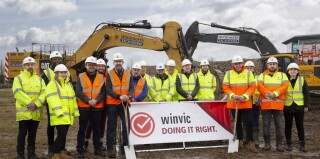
[241, 84]
[91, 90]
[120, 87]
[139, 87]
[277, 84]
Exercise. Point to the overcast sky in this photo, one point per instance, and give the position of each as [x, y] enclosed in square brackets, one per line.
[70, 22]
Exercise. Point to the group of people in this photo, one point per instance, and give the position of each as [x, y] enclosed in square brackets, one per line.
[102, 94]
[275, 94]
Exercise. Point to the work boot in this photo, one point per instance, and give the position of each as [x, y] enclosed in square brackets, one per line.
[81, 153]
[251, 146]
[56, 156]
[288, 146]
[32, 153]
[65, 151]
[99, 153]
[102, 147]
[279, 144]
[85, 146]
[302, 146]
[267, 145]
[256, 137]
[241, 144]
[50, 150]
[20, 152]
[111, 154]
[65, 154]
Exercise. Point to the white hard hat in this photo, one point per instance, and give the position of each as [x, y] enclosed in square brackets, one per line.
[249, 63]
[204, 62]
[293, 65]
[186, 62]
[101, 62]
[272, 60]
[237, 59]
[143, 63]
[91, 59]
[171, 63]
[117, 56]
[55, 54]
[28, 60]
[136, 66]
[160, 66]
[60, 68]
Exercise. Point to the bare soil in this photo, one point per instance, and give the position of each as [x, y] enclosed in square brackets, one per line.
[9, 131]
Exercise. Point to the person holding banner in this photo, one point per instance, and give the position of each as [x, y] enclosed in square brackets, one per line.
[207, 82]
[119, 90]
[272, 86]
[187, 82]
[239, 85]
[160, 88]
[172, 72]
[140, 84]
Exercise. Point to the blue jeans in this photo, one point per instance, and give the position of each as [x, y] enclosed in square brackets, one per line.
[278, 121]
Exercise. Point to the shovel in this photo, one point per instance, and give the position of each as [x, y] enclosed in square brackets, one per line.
[234, 143]
[129, 149]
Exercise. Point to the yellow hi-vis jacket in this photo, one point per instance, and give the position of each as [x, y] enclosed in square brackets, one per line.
[208, 85]
[173, 79]
[27, 88]
[187, 84]
[256, 93]
[295, 94]
[159, 90]
[62, 102]
[50, 74]
[147, 78]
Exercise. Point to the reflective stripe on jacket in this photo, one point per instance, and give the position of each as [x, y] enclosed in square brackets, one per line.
[159, 90]
[27, 88]
[256, 93]
[241, 84]
[49, 73]
[120, 87]
[207, 85]
[277, 84]
[139, 88]
[62, 102]
[91, 90]
[173, 79]
[295, 94]
[187, 84]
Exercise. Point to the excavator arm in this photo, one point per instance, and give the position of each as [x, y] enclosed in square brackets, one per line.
[113, 35]
[240, 37]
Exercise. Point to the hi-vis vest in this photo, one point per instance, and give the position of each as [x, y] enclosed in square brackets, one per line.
[120, 87]
[295, 94]
[27, 88]
[139, 87]
[207, 85]
[256, 93]
[187, 84]
[91, 90]
[173, 79]
[241, 84]
[61, 100]
[147, 78]
[277, 84]
[159, 90]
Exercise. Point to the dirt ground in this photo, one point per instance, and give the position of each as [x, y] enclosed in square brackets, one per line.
[9, 130]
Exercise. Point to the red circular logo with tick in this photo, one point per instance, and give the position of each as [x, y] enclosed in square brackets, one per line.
[142, 124]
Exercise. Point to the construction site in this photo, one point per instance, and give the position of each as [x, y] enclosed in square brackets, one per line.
[303, 50]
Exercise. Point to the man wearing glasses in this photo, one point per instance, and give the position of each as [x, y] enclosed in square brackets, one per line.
[272, 86]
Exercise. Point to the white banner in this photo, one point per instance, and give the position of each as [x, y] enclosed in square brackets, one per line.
[178, 122]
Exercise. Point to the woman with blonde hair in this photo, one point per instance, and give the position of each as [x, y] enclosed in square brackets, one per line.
[63, 108]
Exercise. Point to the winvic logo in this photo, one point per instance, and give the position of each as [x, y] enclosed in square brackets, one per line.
[142, 124]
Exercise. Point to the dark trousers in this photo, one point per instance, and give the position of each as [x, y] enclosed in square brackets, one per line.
[255, 116]
[246, 116]
[113, 112]
[94, 116]
[50, 129]
[29, 127]
[102, 125]
[298, 117]
[60, 142]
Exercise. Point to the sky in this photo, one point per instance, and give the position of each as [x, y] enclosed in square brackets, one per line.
[70, 22]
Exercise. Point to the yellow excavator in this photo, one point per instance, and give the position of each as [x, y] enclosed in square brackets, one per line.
[110, 35]
[251, 38]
